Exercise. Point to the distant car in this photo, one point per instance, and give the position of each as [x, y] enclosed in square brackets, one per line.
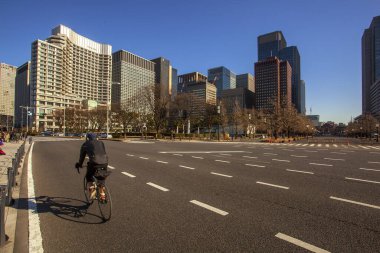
[47, 133]
[104, 136]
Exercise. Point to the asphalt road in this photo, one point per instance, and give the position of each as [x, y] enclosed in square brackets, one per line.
[210, 197]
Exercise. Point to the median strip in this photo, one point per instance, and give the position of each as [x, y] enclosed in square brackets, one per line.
[158, 187]
[222, 175]
[273, 185]
[208, 207]
[355, 202]
[300, 243]
[127, 174]
[362, 180]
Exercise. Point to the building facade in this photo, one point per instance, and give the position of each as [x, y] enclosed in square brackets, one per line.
[273, 83]
[245, 81]
[244, 97]
[66, 69]
[270, 45]
[371, 68]
[303, 97]
[7, 94]
[222, 78]
[22, 96]
[133, 76]
[166, 77]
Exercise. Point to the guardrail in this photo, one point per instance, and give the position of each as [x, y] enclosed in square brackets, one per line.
[7, 190]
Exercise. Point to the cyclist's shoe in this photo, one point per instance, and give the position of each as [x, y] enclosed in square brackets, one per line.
[103, 198]
[92, 192]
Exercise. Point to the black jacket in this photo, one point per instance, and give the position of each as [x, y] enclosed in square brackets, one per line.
[96, 152]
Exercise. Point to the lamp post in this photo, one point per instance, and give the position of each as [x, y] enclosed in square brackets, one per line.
[377, 130]
[361, 133]
[307, 132]
[27, 117]
[249, 125]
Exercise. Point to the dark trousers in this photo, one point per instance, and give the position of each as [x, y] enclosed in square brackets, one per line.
[91, 172]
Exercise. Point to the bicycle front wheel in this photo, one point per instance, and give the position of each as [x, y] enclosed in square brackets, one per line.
[105, 206]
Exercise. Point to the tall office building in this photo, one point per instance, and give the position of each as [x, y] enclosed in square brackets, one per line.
[274, 44]
[22, 95]
[132, 75]
[174, 83]
[371, 68]
[245, 81]
[273, 83]
[303, 97]
[165, 77]
[242, 95]
[7, 94]
[223, 78]
[66, 69]
[270, 45]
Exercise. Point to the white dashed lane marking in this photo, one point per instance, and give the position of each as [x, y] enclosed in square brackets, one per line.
[251, 157]
[158, 187]
[301, 171]
[197, 157]
[111, 167]
[374, 162]
[127, 174]
[177, 154]
[355, 202]
[334, 159]
[338, 153]
[320, 164]
[144, 158]
[222, 175]
[301, 244]
[162, 162]
[368, 169]
[221, 161]
[130, 155]
[278, 160]
[273, 185]
[208, 207]
[186, 167]
[303, 156]
[255, 165]
[362, 180]
[270, 154]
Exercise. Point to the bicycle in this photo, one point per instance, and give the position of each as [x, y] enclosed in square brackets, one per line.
[105, 206]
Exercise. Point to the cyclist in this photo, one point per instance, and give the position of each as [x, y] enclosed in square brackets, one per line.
[98, 161]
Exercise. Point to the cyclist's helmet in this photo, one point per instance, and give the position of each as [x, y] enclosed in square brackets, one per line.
[91, 136]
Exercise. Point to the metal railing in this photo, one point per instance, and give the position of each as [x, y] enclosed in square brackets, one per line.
[6, 191]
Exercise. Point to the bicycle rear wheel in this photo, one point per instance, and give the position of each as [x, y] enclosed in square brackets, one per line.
[105, 207]
[86, 192]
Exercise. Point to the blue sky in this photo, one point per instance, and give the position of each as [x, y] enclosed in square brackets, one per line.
[198, 35]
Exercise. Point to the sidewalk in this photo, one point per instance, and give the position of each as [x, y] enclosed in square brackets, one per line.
[11, 211]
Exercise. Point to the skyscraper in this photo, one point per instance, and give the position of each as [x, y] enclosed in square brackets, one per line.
[22, 95]
[371, 68]
[303, 96]
[274, 44]
[270, 44]
[273, 83]
[245, 81]
[66, 69]
[223, 78]
[134, 74]
[164, 77]
[7, 94]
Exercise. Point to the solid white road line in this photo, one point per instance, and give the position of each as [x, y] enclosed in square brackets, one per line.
[301, 244]
[197, 157]
[221, 161]
[355, 202]
[145, 158]
[190, 168]
[339, 153]
[130, 155]
[162, 162]
[127, 174]
[200, 152]
[273, 185]
[278, 160]
[373, 162]
[35, 237]
[368, 169]
[255, 165]
[208, 207]
[270, 154]
[158, 187]
[178, 154]
[111, 167]
[251, 157]
[299, 156]
[362, 180]
[300, 171]
[334, 159]
[223, 175]
[320, 164]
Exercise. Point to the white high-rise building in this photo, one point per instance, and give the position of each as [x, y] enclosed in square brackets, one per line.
[66, 69]
[7, 94]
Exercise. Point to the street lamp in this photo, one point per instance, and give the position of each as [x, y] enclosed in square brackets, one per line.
[307, 132]
[27, 117]
[377, 130]
[361, 133]
[218, 111]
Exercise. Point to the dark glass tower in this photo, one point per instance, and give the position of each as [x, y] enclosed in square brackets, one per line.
[270, 44]
[371, 68]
